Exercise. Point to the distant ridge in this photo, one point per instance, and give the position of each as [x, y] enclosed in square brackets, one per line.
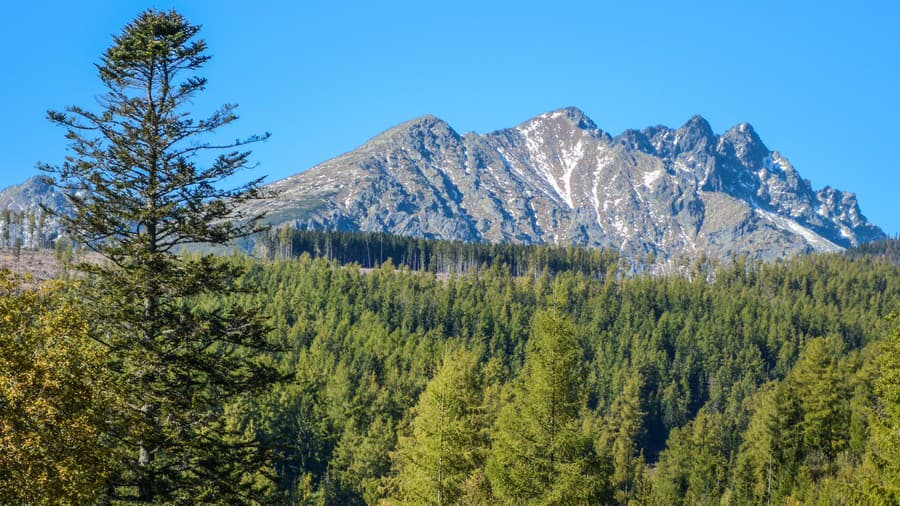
[673, 194]
[558, 178]
[22, 221]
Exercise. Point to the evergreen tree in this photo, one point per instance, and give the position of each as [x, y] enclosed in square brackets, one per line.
[628, 462]
[883, 457]
[541, 454]
[767, 463]
[824, 401]
[139, 193]
[693, 469]
[449, 435]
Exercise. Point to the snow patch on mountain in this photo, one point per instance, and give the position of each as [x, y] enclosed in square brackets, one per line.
[815, 240]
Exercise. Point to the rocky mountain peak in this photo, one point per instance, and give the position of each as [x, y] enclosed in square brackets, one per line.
[577, 117]
[30, 194]
[568, 119]
[635, 140]
[742, 142]
[428, 122]
[424, 137]
[426, 125]
[662, 138]
[558, 179]
[694, 135]
[699, 122]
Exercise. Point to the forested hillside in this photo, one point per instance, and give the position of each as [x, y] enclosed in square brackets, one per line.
[763, 384]
[740, 385]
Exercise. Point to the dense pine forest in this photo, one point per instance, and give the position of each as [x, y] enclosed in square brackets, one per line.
[738, 384]
[745, 384]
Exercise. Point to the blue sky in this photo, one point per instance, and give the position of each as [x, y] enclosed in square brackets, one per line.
[820, 81]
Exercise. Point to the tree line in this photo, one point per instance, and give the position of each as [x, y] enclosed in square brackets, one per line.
[372, 249]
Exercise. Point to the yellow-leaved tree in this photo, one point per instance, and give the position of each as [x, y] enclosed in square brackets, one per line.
[53, 398]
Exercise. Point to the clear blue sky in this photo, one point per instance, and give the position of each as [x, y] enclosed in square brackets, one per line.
[819, 80]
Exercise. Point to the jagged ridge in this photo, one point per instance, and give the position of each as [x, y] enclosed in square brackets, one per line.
[558, 178]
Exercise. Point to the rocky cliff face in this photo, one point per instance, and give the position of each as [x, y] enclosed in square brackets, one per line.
[560, 179]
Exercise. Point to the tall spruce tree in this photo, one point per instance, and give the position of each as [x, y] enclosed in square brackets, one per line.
[143, 182]
[628, 463]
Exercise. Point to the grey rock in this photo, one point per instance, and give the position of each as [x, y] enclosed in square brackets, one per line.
[22, 219]
[558, 178]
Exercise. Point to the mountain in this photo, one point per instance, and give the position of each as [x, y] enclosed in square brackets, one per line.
[22, 221]
[560, 179]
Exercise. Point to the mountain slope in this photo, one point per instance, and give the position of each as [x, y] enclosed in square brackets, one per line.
[22, 221]
[558, 178]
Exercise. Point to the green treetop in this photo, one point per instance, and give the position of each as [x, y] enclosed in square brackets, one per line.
[449, 435]
[540, 453]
